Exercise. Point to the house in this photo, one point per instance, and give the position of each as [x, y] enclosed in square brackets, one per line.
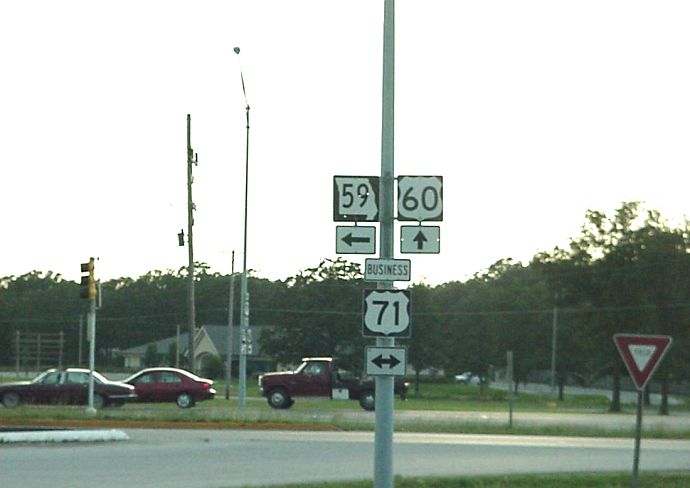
[209, 340]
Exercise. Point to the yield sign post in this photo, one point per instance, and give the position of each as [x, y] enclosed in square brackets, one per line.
[641, 354]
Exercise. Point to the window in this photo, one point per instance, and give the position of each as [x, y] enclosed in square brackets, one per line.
[145, 379]
[52, 378]
[315, 369]
[77, 378]
[168, 377]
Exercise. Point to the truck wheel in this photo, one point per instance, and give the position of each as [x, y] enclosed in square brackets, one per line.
[367, 400]
[278, 398]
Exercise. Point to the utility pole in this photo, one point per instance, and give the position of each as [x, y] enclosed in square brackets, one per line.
[192, 159]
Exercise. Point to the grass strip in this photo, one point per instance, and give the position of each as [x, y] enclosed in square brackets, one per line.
[605, 480]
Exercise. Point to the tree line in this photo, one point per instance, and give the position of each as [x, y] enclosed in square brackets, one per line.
[628, 271]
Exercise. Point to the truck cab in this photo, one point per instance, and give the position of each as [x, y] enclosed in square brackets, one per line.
[319, 377]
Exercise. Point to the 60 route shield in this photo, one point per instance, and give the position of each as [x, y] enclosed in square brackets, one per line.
[386, 313]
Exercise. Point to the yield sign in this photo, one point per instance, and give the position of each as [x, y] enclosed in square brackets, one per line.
[641, 355]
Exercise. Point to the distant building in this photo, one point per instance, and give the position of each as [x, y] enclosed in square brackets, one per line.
[209, 340]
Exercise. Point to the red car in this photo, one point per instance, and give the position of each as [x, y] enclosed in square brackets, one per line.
[70, 386]
[171, 385]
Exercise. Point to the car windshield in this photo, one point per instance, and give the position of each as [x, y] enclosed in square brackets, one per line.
[99, 378]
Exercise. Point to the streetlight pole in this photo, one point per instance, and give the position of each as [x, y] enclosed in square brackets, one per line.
[228, 345]
[244, 304]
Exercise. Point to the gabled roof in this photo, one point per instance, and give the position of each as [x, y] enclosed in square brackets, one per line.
[217, 334]
[162, 346]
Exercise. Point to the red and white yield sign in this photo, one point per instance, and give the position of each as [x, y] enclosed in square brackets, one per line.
[641, 355]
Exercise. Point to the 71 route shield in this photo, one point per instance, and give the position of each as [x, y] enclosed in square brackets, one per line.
[386, 313]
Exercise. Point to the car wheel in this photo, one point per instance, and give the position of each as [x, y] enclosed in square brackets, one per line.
[11, 399]
[278, 398]
[185, 400]
[367, 400]
[98, 401]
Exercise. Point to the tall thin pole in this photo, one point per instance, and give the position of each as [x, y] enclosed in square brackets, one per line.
[91, 335]
[244, 305]
[554, 336]
[191, 312]
[81, 334]
[383, 449]
[638, 436]
[231, 313]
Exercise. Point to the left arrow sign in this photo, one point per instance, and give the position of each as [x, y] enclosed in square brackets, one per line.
[355, 239]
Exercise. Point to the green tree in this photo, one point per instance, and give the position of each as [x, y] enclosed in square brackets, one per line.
[151, 358]
[323, 318]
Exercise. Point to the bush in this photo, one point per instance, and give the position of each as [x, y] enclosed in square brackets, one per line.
[212, 367]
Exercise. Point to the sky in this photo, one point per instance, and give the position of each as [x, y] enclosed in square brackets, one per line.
[532, 112]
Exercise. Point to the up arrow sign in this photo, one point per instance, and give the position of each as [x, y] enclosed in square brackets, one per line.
[420, 239]
[641, 354]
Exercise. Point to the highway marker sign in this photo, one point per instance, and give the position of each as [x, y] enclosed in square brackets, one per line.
[358, 239]
[385, 361]
[420, 198]
[356, 198]
[641, 354]
[386, 313]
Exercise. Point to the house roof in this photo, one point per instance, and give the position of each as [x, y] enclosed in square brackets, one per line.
[216, 333]
[162, 346]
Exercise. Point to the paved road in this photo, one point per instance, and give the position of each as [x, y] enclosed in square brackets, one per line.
[230, 458]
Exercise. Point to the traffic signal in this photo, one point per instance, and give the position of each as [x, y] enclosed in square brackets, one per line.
[88, 281]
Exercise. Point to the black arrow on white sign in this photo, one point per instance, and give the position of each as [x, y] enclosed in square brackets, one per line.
[349, 239]
[392, 361]
[420, 239]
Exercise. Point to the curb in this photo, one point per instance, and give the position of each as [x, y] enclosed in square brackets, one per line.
[63, 436]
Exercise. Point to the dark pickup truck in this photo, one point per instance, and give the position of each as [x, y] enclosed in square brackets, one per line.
[320, 377]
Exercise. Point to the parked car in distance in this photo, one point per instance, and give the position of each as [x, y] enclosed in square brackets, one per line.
[171, 385]
[469, 378]
[69, 386]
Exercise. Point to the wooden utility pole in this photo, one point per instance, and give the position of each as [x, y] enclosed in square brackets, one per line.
[192, 159]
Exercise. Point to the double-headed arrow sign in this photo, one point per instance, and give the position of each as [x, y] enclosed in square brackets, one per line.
[391, 361]
[386, 361]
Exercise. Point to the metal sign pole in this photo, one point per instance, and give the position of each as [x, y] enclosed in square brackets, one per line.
[638, 436]
[91, 331]
[383, 449]
[509, 379]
